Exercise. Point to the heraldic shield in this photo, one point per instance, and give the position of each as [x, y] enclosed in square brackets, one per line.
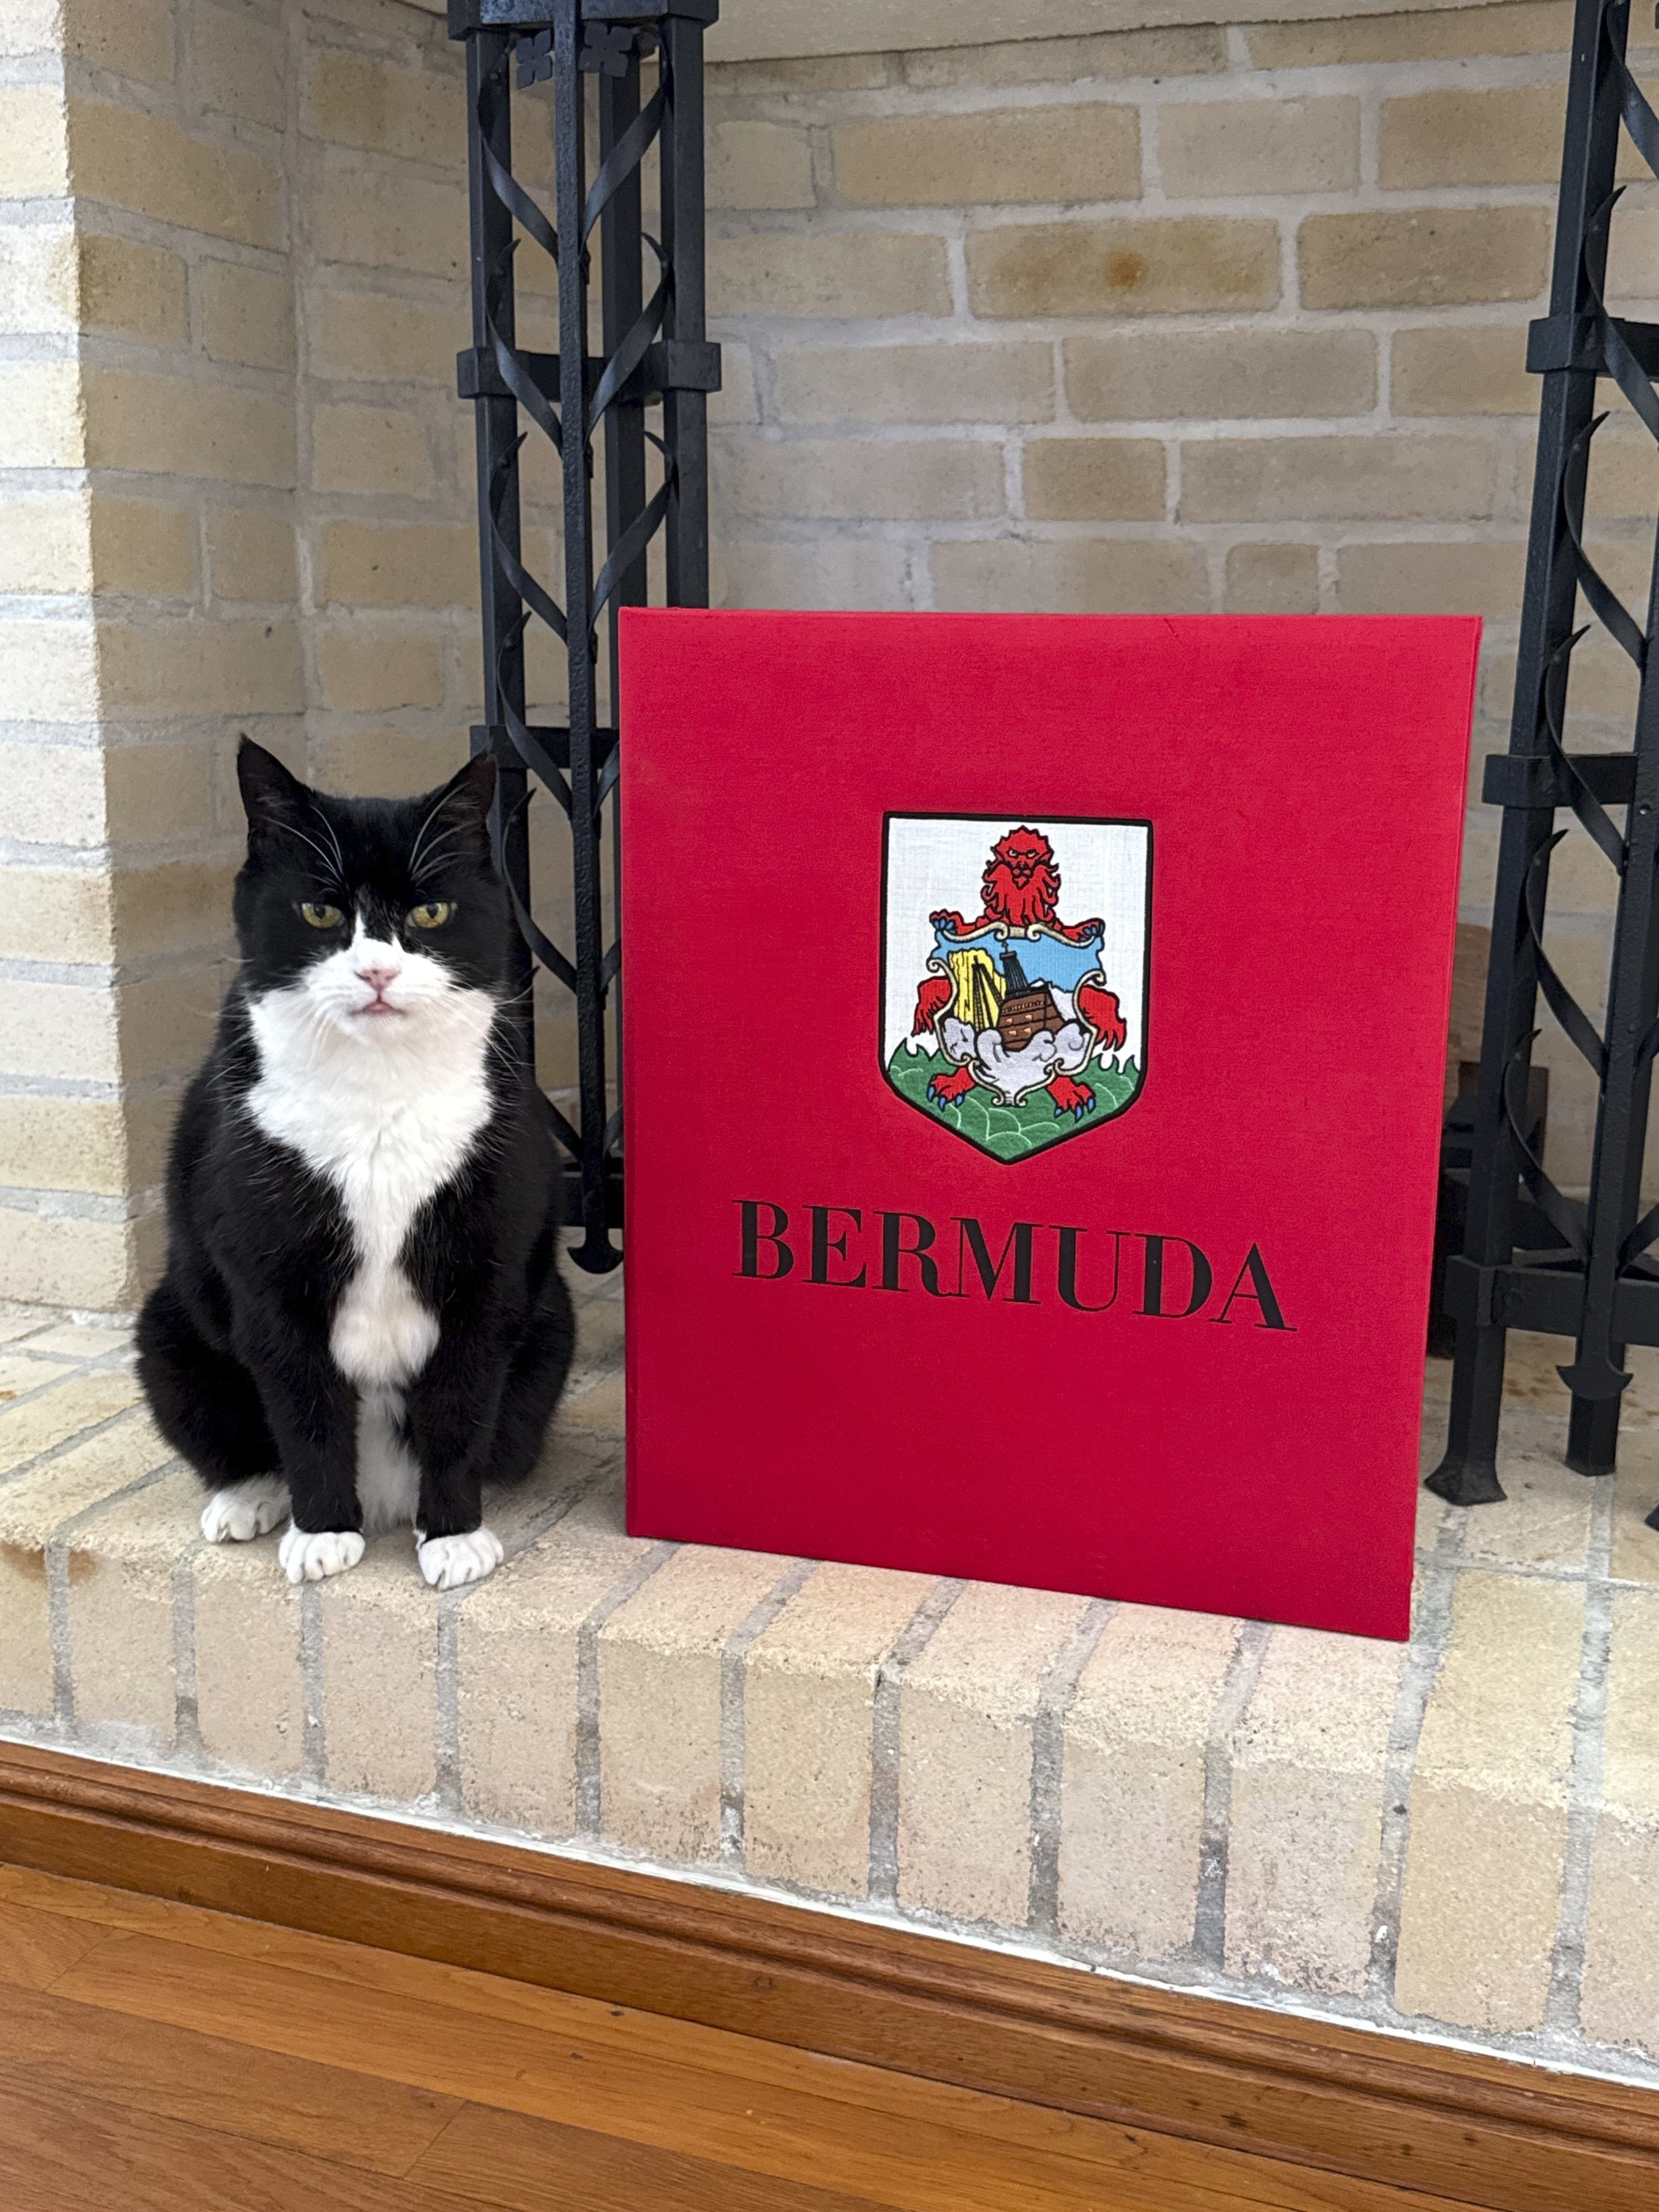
[1015, 955]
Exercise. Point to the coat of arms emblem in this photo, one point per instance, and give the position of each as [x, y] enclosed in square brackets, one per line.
[1003, 1020]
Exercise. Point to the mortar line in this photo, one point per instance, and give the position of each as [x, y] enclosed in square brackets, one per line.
[1437, 1573]
[590, 1794]
[1584, 1783]
[906, 1649]
[1210, 1907]
[57, 1549]
[733, 1679]
[1047, 1764]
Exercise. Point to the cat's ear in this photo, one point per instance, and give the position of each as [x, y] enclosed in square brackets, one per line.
[462, 807]
[272, 798]
[471, 787]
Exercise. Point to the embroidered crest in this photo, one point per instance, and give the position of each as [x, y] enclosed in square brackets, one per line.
[1002, 1020]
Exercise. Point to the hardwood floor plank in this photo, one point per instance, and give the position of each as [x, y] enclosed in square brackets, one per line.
[644, 2041]
[909, 2160]
[206, 2081]
[36, 1946]
[63, 2152]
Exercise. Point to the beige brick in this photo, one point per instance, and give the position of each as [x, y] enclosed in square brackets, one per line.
[1633, 255]
[1531, 27]
[48, 671]
[1131, 1802]
[1309, 1770]
[171, 667]
[1213, 148]
[392, 221]
[1076, 576]
[384, 763]
[30, 26]
[251, 553]
[69, 1262]
[240, 66]
[38, 285]
[40, 419]
[362, 334]
[865, 274]
[735, 401]
[517, 1642]
[155, 790]
[824, 477]
[1273, 579]
[594, 1404]
[1149, 375]
[405, 564]
[967, 1719]
[249, 1690]
[147, 163]
[1488, 1807]
[1545, 1521]
[808, 1709]
[143, 548]
[119, 1573]
[755, 572]
[1158, 53]
[1308, 479]
[1468, 579]
[370, 449]
[660, 1699]
[1046, 153]
[54, 794]
[132, 291]
[63, 1144]
[165, 1021]
[55, 914]
[373, 669]
[164, 425]
[132, 37]
[1618, 2003]
[360, 99]
[1094, 479]
[1423, 257]
[183, 906]
[1010, 382]
[1478, 371]
[33, 145]
[46, 542]
[379, 1675]
[1145, 265]
[1510, 134]
[246, 315]
[758, 165]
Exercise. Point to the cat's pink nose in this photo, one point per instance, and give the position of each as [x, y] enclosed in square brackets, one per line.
[378, 977]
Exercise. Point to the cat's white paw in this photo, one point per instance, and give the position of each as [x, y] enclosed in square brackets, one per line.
[448, 1561]
[307, 1557]
[243, 1510]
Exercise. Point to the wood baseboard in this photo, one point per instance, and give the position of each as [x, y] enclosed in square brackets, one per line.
[1508, 2138]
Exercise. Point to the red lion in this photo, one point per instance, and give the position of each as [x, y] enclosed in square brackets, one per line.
[1020, 886]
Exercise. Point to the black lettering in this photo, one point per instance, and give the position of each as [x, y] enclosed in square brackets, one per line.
[1067, 1280]
[754, 1236]
[824, 1244]
[1260, 1292]
[1203, 1279]
[895, 1249]
[1018, 1241]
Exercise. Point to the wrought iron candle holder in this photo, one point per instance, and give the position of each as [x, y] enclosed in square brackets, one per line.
[654, 355]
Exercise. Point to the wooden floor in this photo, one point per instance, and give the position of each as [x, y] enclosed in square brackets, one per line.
[157, 2058]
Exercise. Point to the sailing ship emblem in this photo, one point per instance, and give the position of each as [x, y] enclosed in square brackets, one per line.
[1015, 1029]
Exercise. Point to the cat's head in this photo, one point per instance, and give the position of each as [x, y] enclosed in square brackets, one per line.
[370, 916]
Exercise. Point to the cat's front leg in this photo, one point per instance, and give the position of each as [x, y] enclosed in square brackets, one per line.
[312, 1411]
[452, 1413]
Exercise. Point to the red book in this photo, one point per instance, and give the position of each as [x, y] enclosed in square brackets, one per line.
[1035, 1035]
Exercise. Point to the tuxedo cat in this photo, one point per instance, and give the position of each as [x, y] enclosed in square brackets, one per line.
[362, 1319]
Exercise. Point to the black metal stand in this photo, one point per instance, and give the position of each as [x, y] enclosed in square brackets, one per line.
[1594, 1283]
[655, 352]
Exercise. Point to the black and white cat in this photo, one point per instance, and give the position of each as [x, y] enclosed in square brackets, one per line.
[362, 1319]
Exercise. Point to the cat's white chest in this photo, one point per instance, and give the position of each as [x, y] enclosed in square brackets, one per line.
[387, 1124]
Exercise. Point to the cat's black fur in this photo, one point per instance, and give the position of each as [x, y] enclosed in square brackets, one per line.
[235, 1344]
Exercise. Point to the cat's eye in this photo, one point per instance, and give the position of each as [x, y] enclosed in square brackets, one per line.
[322, 917]
[433, 916]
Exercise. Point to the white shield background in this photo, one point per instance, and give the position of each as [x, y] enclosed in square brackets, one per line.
[936, 861]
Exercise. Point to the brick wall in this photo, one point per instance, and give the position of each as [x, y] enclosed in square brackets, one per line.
[1188, 319]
